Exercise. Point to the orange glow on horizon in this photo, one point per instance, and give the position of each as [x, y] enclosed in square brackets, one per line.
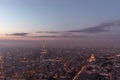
[5, 37]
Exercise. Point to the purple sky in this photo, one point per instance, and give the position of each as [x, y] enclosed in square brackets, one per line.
[84, 22]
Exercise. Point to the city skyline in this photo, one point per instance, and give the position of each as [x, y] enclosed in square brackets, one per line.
[59, 40]
[83, 22]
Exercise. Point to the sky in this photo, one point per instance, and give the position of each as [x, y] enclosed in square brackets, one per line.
[76, 21]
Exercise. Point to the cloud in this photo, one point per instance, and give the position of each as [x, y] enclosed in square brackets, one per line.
[59, 36]
[55, 34]
[19, 34]
[66, 34]
[48, 32]
[103, 27]
[43, 36]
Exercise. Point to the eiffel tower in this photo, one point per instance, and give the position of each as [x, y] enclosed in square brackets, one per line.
[42, 60]
[43, 51]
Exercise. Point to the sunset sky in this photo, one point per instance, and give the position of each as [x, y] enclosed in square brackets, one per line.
[74, 20]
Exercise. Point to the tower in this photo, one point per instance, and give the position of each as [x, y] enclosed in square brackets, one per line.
[1, 68]
[42, 55]
[92, 58]
[43, 51]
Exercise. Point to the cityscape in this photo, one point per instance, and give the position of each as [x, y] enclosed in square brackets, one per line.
[60, 64]
[59, 40]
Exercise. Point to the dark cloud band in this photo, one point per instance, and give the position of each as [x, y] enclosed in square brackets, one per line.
[19, 34]
[103, 27]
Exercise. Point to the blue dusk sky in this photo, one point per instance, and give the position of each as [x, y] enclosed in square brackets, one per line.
[81, 20]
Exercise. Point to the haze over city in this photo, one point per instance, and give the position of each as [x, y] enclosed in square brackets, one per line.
[82, 23]
[59, 40]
